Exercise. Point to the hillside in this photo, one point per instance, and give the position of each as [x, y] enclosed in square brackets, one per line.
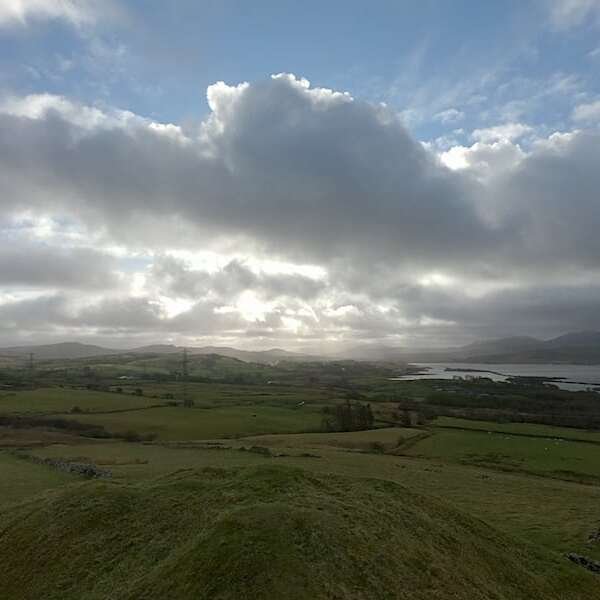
[76, 350]
[258, 356]
[60, 351]
[579, 347]
[499, 346]
[576, 348]
[263, 533]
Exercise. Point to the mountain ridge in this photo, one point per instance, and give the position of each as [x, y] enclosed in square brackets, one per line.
[581, 347]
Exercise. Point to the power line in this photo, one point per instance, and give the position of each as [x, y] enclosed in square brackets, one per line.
[30, 368]
[188, 402]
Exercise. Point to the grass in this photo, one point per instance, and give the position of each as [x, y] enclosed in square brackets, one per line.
[208, 395]
[225, 394]
[267, 532]
[386, 439]
[62, 400]
[21, 479]
[532, 429]
[177, 423]
[542, 456]
[510, 501]
[524, 480]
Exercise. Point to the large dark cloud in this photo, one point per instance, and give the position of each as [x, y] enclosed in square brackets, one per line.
[25, 264]
[552, 199]
[178, 279]
[305, 173]
[278, 169]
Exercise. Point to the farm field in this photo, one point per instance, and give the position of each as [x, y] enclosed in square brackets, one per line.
[20, 479]
[279, 524]
[510, 501]
[385, 438]
[63, 400]
[497, 473]
[550, 457]
[531, 429]
[173, 423]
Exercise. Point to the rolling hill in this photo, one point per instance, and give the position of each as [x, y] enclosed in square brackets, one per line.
[263, 533]
[60, 351]
[76, 350]
[576, 348]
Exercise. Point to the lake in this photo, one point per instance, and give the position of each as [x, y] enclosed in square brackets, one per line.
[571, 377]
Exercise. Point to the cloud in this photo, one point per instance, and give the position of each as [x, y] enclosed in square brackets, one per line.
[76, 12]
[289, 168]
[39, 265]
[555, 232]
[451, 115]
[587, 112]
[484, 160]
[564, 14]
[504, 132]
[176, 278]
[282, 171]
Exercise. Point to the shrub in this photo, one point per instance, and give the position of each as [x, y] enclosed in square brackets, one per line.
[377, 447]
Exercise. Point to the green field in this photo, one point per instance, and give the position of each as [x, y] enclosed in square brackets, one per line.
[176, 423]
[268, 532]
[496, 473]
[222, 394]
[63, 400]
[530, 429]
[542, 456]
[385, 438]
[508, 500]
[21, 479]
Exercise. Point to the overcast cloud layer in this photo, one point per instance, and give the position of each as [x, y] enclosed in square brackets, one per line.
[291, 215]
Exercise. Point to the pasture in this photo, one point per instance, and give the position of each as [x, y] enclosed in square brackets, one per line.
[177, 423]
[501, 473]
[59, 400]
[551, 457]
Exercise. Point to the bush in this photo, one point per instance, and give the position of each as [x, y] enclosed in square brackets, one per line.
[350, 417]
[133, 436]
[377, 447]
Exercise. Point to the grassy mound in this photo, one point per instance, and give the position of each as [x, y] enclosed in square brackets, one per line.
[264, 533]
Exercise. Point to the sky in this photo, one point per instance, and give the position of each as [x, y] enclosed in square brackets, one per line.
[306, 175]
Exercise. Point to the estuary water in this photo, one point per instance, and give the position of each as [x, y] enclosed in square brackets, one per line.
[567, 377]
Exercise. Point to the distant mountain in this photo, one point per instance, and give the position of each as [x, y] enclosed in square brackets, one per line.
[578, 339]
[574, 348]
[375, 352]
[155, 349]
[61, 351]
[258, 356]
[75, 350]
[500, 346]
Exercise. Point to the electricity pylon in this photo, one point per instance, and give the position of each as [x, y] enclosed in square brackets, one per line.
[30, 368]
[188, 402]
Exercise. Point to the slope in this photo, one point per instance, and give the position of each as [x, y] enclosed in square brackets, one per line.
[262, 533]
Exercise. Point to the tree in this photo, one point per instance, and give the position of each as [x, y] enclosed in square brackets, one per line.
[350, 417]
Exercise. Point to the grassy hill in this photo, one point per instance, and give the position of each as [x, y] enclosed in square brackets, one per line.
[265, 532]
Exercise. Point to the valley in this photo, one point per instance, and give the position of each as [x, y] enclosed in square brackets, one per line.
[454, 467]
